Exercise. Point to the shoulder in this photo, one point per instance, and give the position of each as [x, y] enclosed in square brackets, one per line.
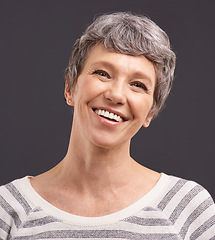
[14, 191]
[183, 191]
[181, 194]
[13, 206]
[188, 206]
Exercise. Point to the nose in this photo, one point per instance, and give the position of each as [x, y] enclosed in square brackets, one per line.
[116, 93]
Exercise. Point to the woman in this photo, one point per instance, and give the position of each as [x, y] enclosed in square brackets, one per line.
[118, 78]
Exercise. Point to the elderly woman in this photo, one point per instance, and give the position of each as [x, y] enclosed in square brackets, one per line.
[118, 78]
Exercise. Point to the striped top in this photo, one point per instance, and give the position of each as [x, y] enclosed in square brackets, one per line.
[174, 209]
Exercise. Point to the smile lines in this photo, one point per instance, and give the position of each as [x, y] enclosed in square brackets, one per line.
[109, 115]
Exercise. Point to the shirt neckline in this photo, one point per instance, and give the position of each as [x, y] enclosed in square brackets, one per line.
[30, 194]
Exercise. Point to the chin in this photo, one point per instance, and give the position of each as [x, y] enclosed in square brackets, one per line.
[107, 142]
[102, 143]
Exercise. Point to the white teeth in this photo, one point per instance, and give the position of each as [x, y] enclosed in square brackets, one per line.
[111, 115]
[108, 115]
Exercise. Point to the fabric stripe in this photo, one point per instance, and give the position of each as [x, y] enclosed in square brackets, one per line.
[37, 209]
[13, 190]
[184, 202]
[4, 226]
[149, 221]
[203, 228]
[194, 215]
[171, 193]
[39, 222]
[149, 209]
[98, 234]
[10, 211]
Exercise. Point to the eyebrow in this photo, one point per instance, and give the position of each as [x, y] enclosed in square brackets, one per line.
[103, 63]
[136, 74]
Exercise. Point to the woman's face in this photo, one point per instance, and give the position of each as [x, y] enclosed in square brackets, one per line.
[113, 97]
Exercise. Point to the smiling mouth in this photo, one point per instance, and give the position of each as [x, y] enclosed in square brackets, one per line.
[108, 115]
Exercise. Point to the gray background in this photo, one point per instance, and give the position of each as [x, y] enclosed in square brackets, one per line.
[36, 38]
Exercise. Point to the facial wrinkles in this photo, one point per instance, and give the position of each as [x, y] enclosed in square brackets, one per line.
[122, 69]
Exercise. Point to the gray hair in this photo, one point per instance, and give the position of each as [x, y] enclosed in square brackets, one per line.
[130, 34]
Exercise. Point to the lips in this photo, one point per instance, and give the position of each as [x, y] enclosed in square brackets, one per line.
[109, 115]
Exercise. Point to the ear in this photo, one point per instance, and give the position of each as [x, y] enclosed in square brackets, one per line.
[149, 117]
[68, 94]
[147, 121]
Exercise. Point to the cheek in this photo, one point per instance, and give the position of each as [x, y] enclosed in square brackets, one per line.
[141, 106]
[94, 88]
[87, 89]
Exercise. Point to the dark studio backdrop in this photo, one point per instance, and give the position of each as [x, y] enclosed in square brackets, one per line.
[36, 39]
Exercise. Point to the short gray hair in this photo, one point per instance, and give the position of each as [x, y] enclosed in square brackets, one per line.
[130, 34]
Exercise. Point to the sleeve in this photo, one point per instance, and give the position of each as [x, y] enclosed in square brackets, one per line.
[6, 215]
[200, 212]
[13, 211]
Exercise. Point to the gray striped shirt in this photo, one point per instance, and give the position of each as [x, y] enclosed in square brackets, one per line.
[173, 209]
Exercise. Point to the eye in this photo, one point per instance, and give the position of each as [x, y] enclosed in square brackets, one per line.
[102, 73]
[139, 85]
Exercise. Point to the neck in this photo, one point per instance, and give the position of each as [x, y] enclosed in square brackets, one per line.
[95, 167]
[103, 179]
